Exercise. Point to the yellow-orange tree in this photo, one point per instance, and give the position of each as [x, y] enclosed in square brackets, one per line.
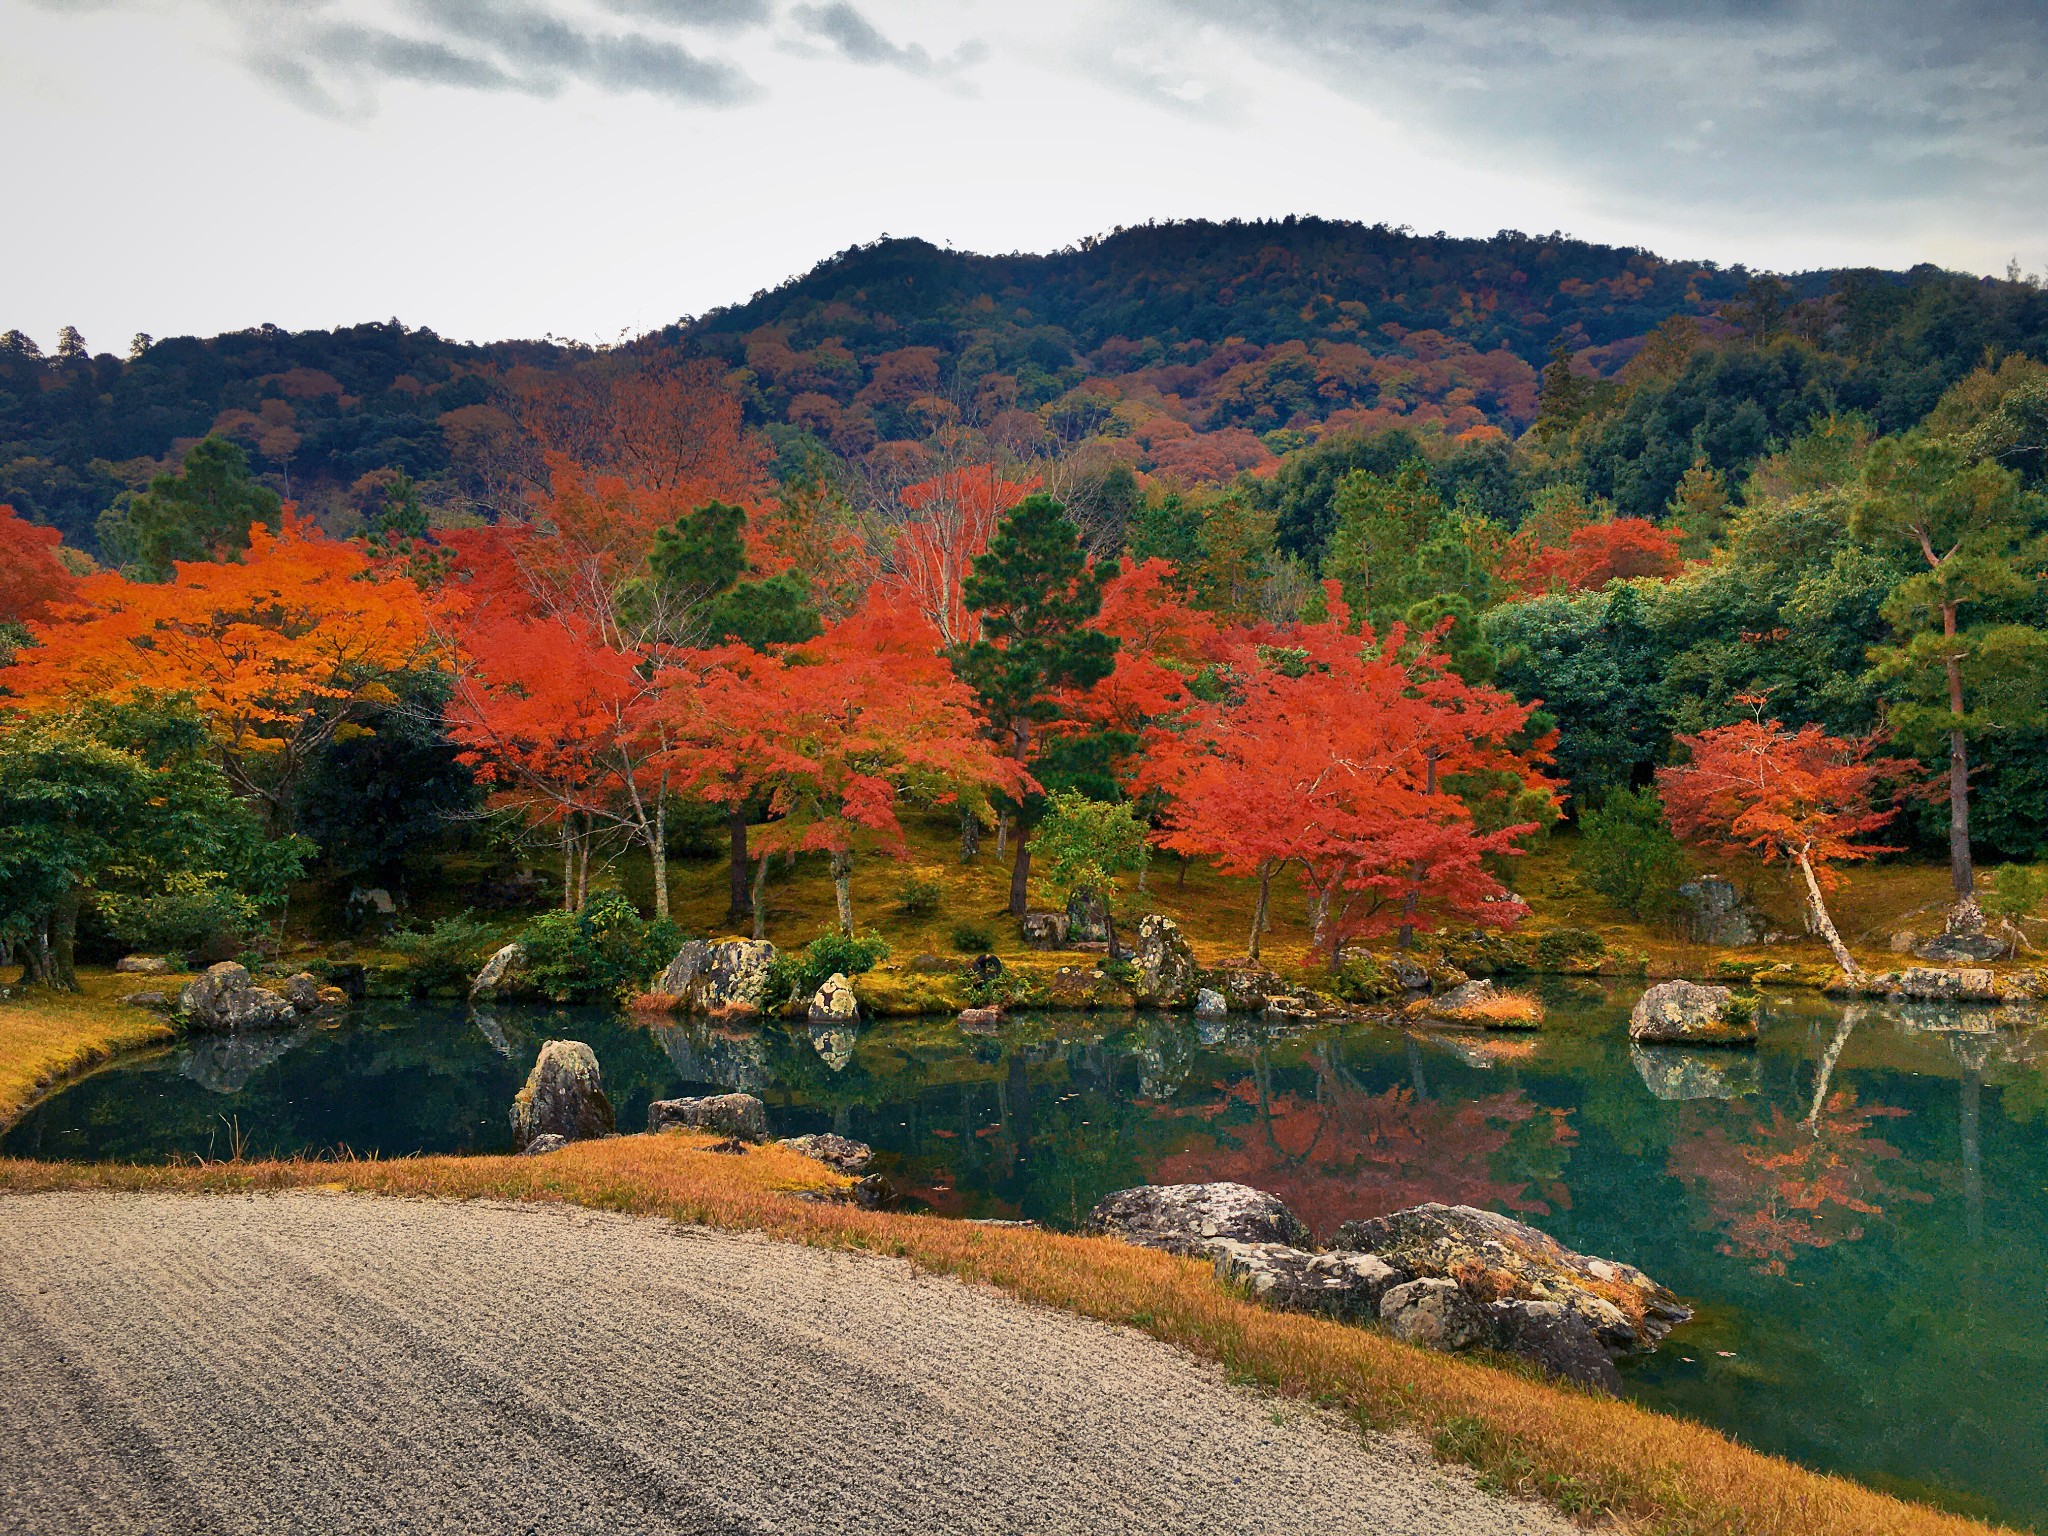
[290, 647]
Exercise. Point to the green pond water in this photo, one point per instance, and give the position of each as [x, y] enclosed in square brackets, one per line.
[1858, 1208]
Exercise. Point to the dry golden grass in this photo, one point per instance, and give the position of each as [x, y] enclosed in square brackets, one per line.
[46, 1037]
[1503, 1010]
[1594, 1457]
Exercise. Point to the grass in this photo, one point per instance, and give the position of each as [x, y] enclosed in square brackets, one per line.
[1592, 1457]
[1503, 1010]
[48, 1037]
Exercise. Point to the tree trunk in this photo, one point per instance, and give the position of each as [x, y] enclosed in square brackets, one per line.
[64, 941]
[1825, 923]
[583, 841]
[1259, 911]
[761, 897]
[842, 889]
[657, 852]
[1020, 876]
[1961, 874]
[1002, 835]
[1182, 878]
[568, 864]
[738, 903]
[970, 835]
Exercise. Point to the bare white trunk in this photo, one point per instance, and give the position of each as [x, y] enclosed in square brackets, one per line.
[1825, 923]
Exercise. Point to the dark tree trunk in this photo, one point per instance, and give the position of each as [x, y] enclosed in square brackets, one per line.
[970, 836]
[1020, 875]
[740, 901]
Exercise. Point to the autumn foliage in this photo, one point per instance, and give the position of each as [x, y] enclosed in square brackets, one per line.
[33, 581]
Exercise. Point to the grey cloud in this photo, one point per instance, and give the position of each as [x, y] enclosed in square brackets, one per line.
[722, 14]
[861, 41]
[1850, 105]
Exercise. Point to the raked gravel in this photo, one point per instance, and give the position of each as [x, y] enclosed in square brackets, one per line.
[331, 1364]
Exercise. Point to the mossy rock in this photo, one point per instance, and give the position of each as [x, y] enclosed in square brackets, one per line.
[1793, 973]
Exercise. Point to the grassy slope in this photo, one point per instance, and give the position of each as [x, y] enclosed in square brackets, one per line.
[46, 1037]
[1592, 1456]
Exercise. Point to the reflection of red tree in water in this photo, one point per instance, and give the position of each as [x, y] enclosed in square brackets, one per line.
[1778, 1184]
[1348, 1154]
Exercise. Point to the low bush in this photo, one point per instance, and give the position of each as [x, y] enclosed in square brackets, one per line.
[606, 950]
[1568, 949]
[446, 956]
[795, 976]
[1629, 854]
[918, 895]
[972, 939]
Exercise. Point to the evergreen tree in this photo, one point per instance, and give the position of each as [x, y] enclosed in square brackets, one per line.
[201, 511]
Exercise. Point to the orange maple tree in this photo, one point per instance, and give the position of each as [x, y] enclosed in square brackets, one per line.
[1591, 555]
[952, 517]
[33, 581]
[1800, 795]
[292, 646]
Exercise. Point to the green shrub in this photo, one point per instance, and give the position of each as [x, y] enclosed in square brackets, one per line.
[795, 976]
[1568, 947]
[606, 950]
[972, 938]
[919, 896]
[446, 956]
[1629, 854]
[2016, 890]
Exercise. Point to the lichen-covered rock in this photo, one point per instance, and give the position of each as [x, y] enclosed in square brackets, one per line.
[1434, 1313]
[1678, 1075]
[1087, 918]
[1555, 1338]
[1043, 930]
[719, 976]
[841, 1152]
[1407, 975]
[1961, 945]
[541, 1145]
[498, 973]
[302, 991]
[1164, 962]
[1712, 911]
[1190, 1218]
[563, 1096]
[1344, 1286]
[834, 1045]
[143, 965]
[834, 1002]
[1282, 1006]
[1211, 1004]
[1946, 986]
[225, 999]
[739, 1115]
[156, 1001]
[980, 1021]
[333, 1000]
[1688, 1013]
[1245, 988]
[1498, 1258]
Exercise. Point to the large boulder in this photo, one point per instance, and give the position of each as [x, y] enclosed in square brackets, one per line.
[303, 992]
[143, 965]
[1555, 1338]
[498, 973]
[721, 976]
[1087, 918]
[1191, 1218]
[1211, 1004]
[1712, 911]
[224, 998]
[563, 1096]
[1043, 930]
[834, 1002]
[1344, 1286]
[1164, 962]
[841, 1152]
[1967, 985]
[1688, 1013]
[1435, 1313]
[1962, 938]
[1499, 1258]
[739, 1115]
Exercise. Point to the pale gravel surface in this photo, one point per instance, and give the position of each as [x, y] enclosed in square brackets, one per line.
[335, 1364]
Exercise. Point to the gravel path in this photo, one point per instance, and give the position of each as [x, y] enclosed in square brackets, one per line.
[341, 1364]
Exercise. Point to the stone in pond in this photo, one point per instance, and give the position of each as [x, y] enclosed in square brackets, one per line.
[303, 992]
[834, 1002]
[729, 976]
[980, 1021]
[1688, 1013]
[1344, 1286]
[1555, 1338]
[739, 1115]
[1676, 1075]
[498, 973]
[841, 1152]
[225, 999]
[1211, 1004]
[1164, 963]
[563, 1096]
[1190, 1218]
[1434, 1313]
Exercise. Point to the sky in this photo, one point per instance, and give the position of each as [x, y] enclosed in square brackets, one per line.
[592, 169]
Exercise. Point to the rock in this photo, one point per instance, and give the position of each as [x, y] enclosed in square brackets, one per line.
[725, 1114]
[1687, 1013]
[1500, 1258]
[1282, 1007]
[725, 976]
[985, 968]
[372, 900]
[932, 965]
[1211, 1004]
[1407, 975]
[546, 1142]
[834, 1002]
[563, 1096]
[872, 1192]
[1712, 911]
[840, 1152]
[1087, 918]
[1434, 1313]
[155, 1000]
[1951, 947]
[143, 965]
[834, 1045]
[1674, 1074]
[303, 992]
[980, 1021]
[1245, 988]
[1164, 962]
[224, 998]
[497, 972]
[1556, 1339]
[1470, 994]
[1344, 1286]
[1189, 1218]
[1484, 1004]
[1903, 941]
[1043, 930]
[333, 999]
[1947, 986]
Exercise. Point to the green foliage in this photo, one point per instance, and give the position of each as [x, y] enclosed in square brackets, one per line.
[795, 977]
[1629, 854]
[606, 950]
[1383, 522]
[199, 512]
[1566, 949]
[695, 591]
[1083, 844]
[400, 515]
[447, 956]
[918, 895]
[972, 938]
[2015, 890]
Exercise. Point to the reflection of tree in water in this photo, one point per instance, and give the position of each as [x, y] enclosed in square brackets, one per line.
[1775, 1183]
[1344, 1152]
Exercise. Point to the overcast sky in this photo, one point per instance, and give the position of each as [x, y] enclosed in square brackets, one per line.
[597, 167]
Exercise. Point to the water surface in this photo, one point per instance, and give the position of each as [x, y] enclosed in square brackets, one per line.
[1858, 1208]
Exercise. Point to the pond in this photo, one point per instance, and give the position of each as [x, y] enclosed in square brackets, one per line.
[1858, 1208]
